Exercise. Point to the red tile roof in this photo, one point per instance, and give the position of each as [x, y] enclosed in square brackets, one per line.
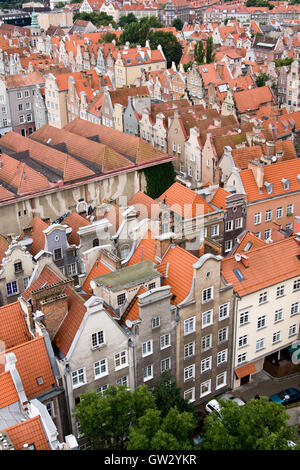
[8, 392]
[13, 329]
[250, 238]
[185, 202]
[132, 312]
[178, 265]
[145, 204]
[46, 277]
[3, 247]
[28, 432]
[30, 369]
[37, 235]
[75, 221]
[145, 250]
[252, 100]
[219, 198]
[268, 265]
[98, 269]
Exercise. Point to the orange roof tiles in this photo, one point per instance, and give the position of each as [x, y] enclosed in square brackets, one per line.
[8, 392]
[13, 329]
[251, 239]
[185, 202]
[145, 250]
[145, 204]
[178, 265]
[251, 100]
[272, 174]
[245, 370]
[132, 312]
[46, 277]
[219, 199]
[242, 155]
[28, 432]
[3, 247]
[30, 369]
[5, 194]
[19, 80]
[37, 235]
[75, 221]
[268, 265]
[98, 269]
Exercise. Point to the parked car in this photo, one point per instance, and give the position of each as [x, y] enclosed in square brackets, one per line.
[229, 396]
[287, 396]
[212, 405]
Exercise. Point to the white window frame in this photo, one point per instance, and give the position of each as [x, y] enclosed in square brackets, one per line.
[295, 308]
[190, 391]
[189, 350]
[224, 383]
[148, 346]
[229, 226]
[257, 218]
[205, 322]
[292, 330]
[279, 212]
[263, 298]
[149, 372]
[207, 384]
[296, 285]
[268, 215]
[278, 315]
[96, 341]
[165, 341]
[101, 364]
[260, 344]
[189, 372]
[280, 291]
[276, 337]
[122, 354]
[205, 339]
[242, 315]
[189, 326]
[155, 322]
[77, 375]
[222, 357]
[206, 364]
[239, 222]
[225, 307]
[243, 341]
[204, 294]
[242, 358]
[163, 363]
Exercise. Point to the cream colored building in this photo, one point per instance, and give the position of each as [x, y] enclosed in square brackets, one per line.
[267, 308]
[111, 9]
[55, 18]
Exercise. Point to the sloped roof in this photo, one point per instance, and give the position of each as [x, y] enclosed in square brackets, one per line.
[28, 432]
[8, 392]
[13, 329]
[184, 201]
[219, 199]
[145, 250]
[132, 312]
[268, 265]
[149, 205]
[75, 221]
[250, 241]
[97, 270]
[252, 99]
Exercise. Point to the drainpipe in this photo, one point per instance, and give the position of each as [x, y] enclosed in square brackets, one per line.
[68, 403]
[132, 345]
[234, 325]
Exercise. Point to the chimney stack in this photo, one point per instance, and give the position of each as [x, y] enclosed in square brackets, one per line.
[258, 172]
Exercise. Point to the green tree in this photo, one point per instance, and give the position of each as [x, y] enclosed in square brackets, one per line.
[282, 62]
[158, 179]
[167, 395]
[257, 425]
[60, 5]
[199, 53]
[178, 24]
[102, 19]
[187, 66]
[152, 22]
[130, 18]
[261, 79]
[105, 420]
[170, 45]
[134, 33]
[152, 432]
[109, 37]
[210, 55]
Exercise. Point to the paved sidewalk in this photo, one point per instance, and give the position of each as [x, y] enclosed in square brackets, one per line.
[264, 385]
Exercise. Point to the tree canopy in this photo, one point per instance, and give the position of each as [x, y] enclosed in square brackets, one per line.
[199, 53]
[261, 79]
[282, 62]
[178, 24]
[257, 425]
[101, 19]
[158, 179]
[170, 45]
[127, 19]
[167, 395]
[153, 432]
[210, 54]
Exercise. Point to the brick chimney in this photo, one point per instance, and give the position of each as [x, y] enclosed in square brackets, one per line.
[220, 70]
[162, 243]
[270, 148]
[258, 172]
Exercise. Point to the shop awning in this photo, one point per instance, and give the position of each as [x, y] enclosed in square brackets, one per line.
[245, 370]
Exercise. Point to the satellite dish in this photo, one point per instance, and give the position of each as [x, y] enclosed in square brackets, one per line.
[274, 158]
[237, 257]
[128, 323]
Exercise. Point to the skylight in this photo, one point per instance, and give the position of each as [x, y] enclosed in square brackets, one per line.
[239, 275]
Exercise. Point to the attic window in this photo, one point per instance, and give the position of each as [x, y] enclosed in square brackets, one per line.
[239, 275]
[128, 61]
[204, 69]
[285, 183]
[40, 380]
[248, 246]
[269, 187]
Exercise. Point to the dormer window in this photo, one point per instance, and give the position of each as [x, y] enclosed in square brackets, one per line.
[18, 267]
[285, 183]
[269, 187]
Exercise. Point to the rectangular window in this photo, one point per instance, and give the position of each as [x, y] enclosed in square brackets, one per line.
[228, 245]
[189, 325]
[289, 209]
[207, 294]
[292, 330]
[260, 344]
[26, 282]
[221, 380]
[12, 288]
[165, 341]
[205, 388]
[243, 341]
[148, 373]
[155, 322]
[100, 390]
[20, 107]
[29, 117]
[189, 350]
[223, 311]
[263, 298]
[18, 267]
[28, 106]
[222, 357]
[267, 233]
[78, 377]
[121, 298]
[21, 119]
[205, 364]
[242, 358]
[19, 95]
[151, 286]
[279, 291]
[97, 339]
[268, 217]
[100, 368]
[147, 348]
[244, 318]
[72, 269]
[239, 222]
[257, 218]
[214, 230]
[222, 335]
[295, 308]
[229, 225]
[261, 322]
[278, 315]
[189, 372]
[189, 395]
[206, 342]
[296, 285]
[121, 360]
[26, 93]
[123, 381]
[279, 212]
[57, 254]
[207, 318]
[276, 337]
[165, 364]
